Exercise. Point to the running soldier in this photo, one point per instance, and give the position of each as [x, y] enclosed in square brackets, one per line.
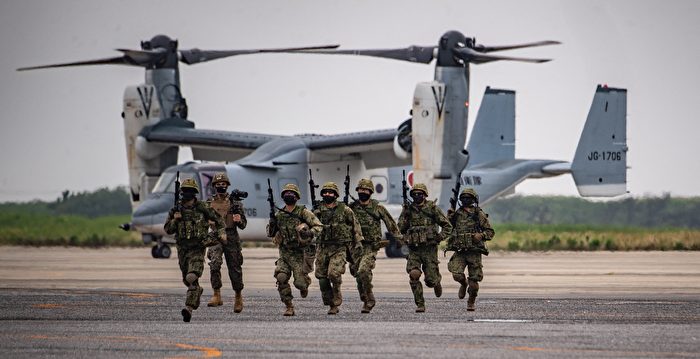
[293, 230]
[341, 235]
[419, 224]
[369, 214]
[471, 229]
[231, 210]
[189, 222]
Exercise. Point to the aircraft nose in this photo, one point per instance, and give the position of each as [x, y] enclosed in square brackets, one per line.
[151, 210]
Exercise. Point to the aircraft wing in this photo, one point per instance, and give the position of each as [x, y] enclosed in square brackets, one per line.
[210, 145]
[374, 147]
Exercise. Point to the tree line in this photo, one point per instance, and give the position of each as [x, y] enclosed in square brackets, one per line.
[644, 212]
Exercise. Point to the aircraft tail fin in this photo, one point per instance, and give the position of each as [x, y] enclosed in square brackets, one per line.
[599, 167]
[493, 135]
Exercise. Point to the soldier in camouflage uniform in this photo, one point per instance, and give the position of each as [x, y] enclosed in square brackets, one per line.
[369, 214]
[471, 229]
[189, 222]
[419, 224]
[293, 231]
[341, 234]
[232, 212]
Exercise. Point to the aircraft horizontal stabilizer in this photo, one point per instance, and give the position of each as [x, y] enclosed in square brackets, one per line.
[599, 167]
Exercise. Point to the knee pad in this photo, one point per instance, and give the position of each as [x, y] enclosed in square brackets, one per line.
[473, 285]
[461, 278]
[191, 278]
[282, 277]
[414, 274]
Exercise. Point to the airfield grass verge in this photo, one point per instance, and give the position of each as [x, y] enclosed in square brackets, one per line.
[514, 237]
[65, 230]
[39, 229]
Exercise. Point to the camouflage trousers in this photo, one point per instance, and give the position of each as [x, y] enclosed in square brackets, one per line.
[361, 268]
[293, 262]
[330, 266]
[231, 251]
[470, 260]
[191, 260]
[422, 259]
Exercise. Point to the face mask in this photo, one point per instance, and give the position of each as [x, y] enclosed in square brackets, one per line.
[187, 196]
[220, 189]
[290, 200]
[363, 196]
[328, 199]
[467, 202]
[418, 197]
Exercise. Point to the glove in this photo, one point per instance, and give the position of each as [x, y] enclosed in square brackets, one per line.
[306, 233]
[478, 237]
[224, 238]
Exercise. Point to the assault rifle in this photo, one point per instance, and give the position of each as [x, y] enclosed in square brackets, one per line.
[347, 185]
[404, 189]
[312, 190]
[455, 195]
[271, 201]
[177, 192]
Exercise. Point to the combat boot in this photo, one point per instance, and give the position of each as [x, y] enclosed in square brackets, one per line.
[420, 309]
[438, 290]
[186, 314]
[290, 309]
[369, 303]
[304, 292]
[238, 302]
[215, 299]
[473, 290]
[462, 290]
[334, 310]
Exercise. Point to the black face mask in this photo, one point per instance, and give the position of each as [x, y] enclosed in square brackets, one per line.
[467, 201]
[328, 199]
[363, 196]
[290, 199]
[187, 196]
[418, 197]
[220, 189]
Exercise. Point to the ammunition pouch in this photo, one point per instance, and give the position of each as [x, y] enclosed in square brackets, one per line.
[465, 242]
[419, 235]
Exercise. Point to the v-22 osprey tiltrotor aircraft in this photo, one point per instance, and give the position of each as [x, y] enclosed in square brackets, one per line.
[430, 145]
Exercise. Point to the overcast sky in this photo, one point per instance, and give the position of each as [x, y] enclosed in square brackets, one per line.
[61, 128]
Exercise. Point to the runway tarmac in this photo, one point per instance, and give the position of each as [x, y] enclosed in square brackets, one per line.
[68, 302]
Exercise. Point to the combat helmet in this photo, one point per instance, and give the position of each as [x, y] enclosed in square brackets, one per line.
[291, 187]
[420, 187]
[331, 186]
[366, 184]
[469, 192]
[189, 183]
[220, 177]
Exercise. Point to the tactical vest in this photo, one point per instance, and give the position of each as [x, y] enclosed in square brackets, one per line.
[465, 226]
[336, 228]
[287, 234]
[193, 228]
[222, 205]
[370, 220]
[423, 227]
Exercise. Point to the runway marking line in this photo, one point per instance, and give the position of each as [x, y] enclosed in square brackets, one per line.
[208, 352]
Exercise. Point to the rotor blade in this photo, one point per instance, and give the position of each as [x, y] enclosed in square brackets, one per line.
[121, 60]
[421, 54]
[476, 57]
[195, 56]
[482, 48]
[143, 57]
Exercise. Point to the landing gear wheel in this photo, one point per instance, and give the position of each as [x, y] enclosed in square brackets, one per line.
[154, 251]
[165, 251]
